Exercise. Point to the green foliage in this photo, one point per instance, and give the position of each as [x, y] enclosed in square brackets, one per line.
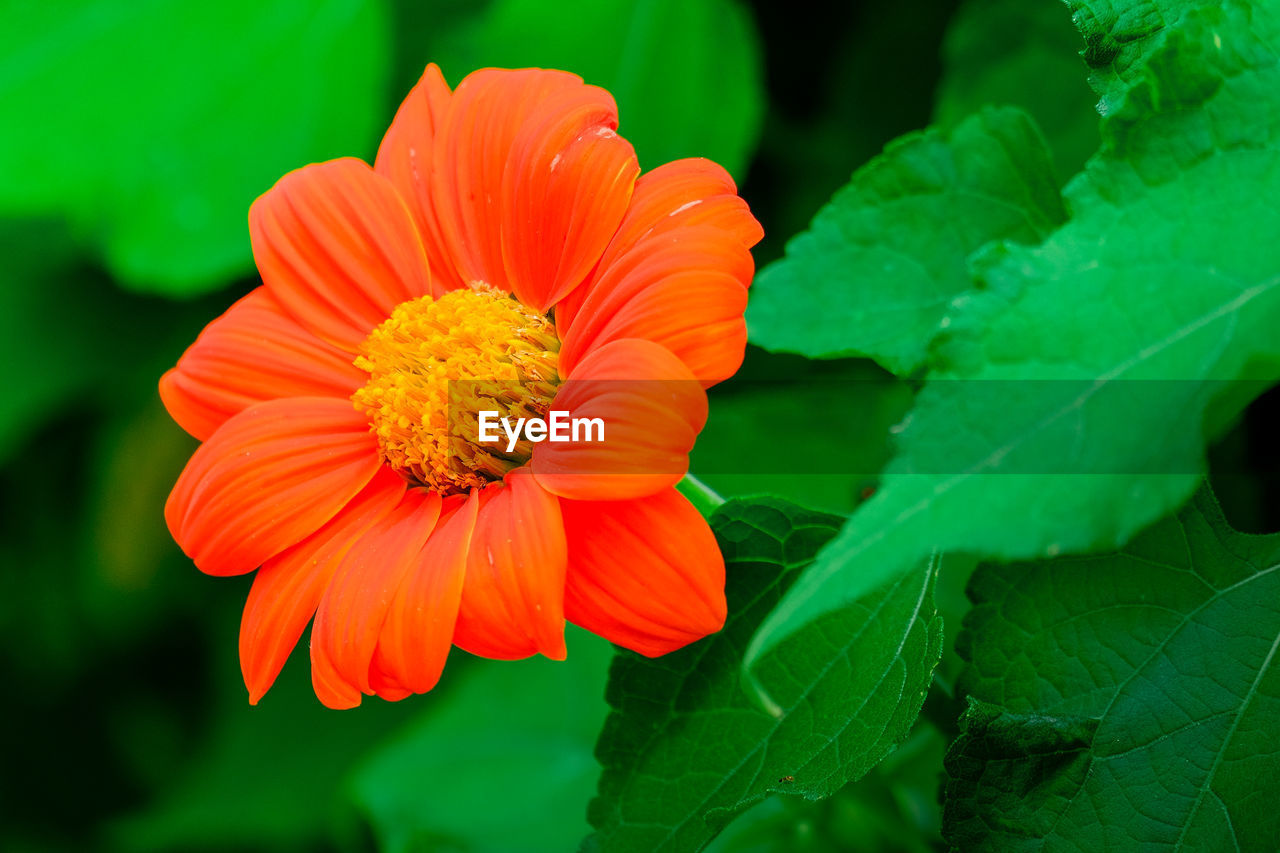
[738, 453]
[151, 129]
[1041, 371]
[893, 809]
[1040, 430]
[1119, 37]
[65, 336]
[685, 73]
[1140, 687]
[880, 265]
[267, 776]
[1025, 55]
[686, 749]
[515, 734]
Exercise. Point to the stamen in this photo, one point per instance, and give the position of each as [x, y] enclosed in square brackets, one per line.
[435, 364]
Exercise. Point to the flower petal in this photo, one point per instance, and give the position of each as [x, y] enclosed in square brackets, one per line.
[350, 616]
[252, 353]
[385, 687]
[513, 595]
[338, 249]
[684, 289]
[693, 191]
[690, 192]
[268, 478]
[288, 588]
[652, 409]
[529, 180]
[406, 158]
[565, 190]
[668, 273]
[419, 627]
[645, 574]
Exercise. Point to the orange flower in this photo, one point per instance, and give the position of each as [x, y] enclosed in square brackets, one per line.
[504, 235]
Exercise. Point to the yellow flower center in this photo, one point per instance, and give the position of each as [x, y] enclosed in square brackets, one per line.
[435, 364]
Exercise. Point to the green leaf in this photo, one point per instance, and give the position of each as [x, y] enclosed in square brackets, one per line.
[739, 452]
[71, 342]
[519, 734]
[1072, 397]
[263, 777]
[686, 73]
[893, 809]
[881, 264]
[1120, 36]
[152, 126]
[1025, 55]
[1142, 687]
[686, 749]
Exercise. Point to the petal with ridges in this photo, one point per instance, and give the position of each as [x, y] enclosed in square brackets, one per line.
[652, 409]
[567, 186]
[268, 478]
[684, 289]
[252, 353]
[337, 248]
[645, 574]
[419, 627]
[385, 687]
[513, 594]
[288, 588]
[330, 688]
[470, 156]
[355, 603]
[685, 193]
[405, 157]
[693, 191]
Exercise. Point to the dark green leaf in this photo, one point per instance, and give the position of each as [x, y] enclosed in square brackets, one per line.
[833, 458]
[264, 777]
[152, 126]
[1125, 701]
[502, 761]
[893, 809]
[69, 342]
[881, 264]
[686, 73]
[686, 749]
[1075, 390]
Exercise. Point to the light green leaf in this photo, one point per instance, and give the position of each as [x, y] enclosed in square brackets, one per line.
[152, 126]
[686, 749]
[1125, 701]
[686, 73]
[882, 262]
[500, 762]
[1071, 400]
[1025, 55]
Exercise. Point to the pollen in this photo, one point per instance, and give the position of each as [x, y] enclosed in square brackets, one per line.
[435, 364]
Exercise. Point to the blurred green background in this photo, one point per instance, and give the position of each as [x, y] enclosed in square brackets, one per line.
[135, 135]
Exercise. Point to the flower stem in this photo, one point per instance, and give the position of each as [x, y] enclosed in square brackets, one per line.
[702, 496]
